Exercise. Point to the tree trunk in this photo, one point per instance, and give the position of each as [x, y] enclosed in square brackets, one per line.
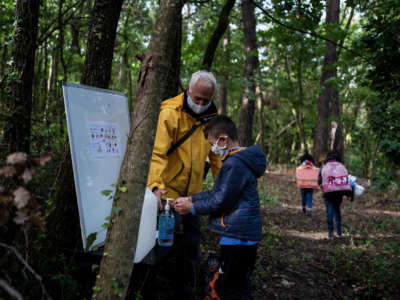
[219, 31]
[3, 61]
[248, 98]
[100, 44]
[336, 105]
[260, 110]
[223, 89]
[17, 131]
[154, 79]
[328, 88]
[297, 104]
[223, 95]
[97, 72]
[300, 113]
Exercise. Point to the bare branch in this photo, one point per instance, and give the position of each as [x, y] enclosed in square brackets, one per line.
[10, 290]
[49, 31]
[28, 267]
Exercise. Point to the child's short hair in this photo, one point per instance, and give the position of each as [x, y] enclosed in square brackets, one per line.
[221, 124]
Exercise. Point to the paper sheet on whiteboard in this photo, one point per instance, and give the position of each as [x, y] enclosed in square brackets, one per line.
[104, 139]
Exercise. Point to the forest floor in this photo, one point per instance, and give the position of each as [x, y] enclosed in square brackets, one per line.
[296, 261]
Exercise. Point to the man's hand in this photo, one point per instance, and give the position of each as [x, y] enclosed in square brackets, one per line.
[182, 205]
[158, 193]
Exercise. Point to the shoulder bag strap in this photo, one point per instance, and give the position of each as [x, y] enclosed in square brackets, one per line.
[182, 139]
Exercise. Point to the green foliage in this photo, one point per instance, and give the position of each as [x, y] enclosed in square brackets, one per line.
[90, 240]
[382, 48]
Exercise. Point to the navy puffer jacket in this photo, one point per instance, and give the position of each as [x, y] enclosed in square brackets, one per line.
[233, 203]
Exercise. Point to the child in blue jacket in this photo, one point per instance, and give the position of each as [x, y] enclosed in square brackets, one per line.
[234, 207]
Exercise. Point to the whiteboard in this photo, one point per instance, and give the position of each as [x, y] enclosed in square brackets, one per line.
[98, 129]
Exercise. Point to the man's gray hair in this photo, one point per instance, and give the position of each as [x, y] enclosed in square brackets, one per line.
[206, 77]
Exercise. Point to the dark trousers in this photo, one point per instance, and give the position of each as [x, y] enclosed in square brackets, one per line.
[332, 205]
[237, 264]
[307, 198]
[187, 255]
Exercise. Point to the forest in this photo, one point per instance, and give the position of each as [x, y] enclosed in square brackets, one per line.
[296, 76]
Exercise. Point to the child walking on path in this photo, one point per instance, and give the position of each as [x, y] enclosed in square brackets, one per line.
[307, 194]
[233, 206]
[333, 178]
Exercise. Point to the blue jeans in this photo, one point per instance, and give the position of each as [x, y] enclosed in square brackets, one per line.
[333, 211]
[306, 197]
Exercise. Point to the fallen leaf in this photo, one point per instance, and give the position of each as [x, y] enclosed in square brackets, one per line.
[17, 158]
[21, 197]
[21, 217]
[8, 171]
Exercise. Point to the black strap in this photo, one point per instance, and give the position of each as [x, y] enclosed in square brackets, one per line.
[182, 139]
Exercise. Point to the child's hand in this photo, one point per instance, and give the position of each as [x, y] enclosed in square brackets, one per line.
[182, 205]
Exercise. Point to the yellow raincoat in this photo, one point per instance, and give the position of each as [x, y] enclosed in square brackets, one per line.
[181, 173]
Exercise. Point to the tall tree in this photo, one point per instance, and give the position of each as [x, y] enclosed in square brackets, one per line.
[97, 72]
[251, 64]
[328, 85]
[100, 45]
[219, 31]
[19, 95]
[155, 75]
[222, 87]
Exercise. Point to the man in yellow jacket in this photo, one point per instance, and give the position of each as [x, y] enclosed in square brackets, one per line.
[177, 165]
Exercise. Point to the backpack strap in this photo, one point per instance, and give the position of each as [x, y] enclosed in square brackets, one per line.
[182, 139]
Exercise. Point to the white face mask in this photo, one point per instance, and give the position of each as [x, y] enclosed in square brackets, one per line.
[198, 109]
[221, 151]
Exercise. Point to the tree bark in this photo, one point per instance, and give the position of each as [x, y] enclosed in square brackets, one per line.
[100, 44]
[248, 99]
[3, 60]
[300, 113]
[17, 131]
[328, 88]
[219, 31]
[97, 72]
[260, 110]
[336, 110]
[223, 89]
[154, 79]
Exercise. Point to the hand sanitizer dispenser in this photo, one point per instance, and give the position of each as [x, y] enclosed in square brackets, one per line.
[166, 226]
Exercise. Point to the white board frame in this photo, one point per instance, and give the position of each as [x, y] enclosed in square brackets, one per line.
[85, 104]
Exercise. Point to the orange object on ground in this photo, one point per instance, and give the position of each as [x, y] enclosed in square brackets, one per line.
[307, 177]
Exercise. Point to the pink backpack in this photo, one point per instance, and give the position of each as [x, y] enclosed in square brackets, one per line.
[307, 177]
[335, 177]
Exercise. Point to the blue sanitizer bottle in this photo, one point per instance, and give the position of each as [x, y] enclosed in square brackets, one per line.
[166, 226]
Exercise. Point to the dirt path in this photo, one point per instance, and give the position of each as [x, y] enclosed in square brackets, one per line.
[296, 261]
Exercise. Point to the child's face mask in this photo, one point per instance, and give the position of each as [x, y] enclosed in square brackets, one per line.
[221, 151]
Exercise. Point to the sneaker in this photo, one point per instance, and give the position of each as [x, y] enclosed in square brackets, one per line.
[304, 210]
[337, 235]
[329, 236]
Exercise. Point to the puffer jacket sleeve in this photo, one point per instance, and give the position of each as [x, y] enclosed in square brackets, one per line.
[166, 131]
[225, 193]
